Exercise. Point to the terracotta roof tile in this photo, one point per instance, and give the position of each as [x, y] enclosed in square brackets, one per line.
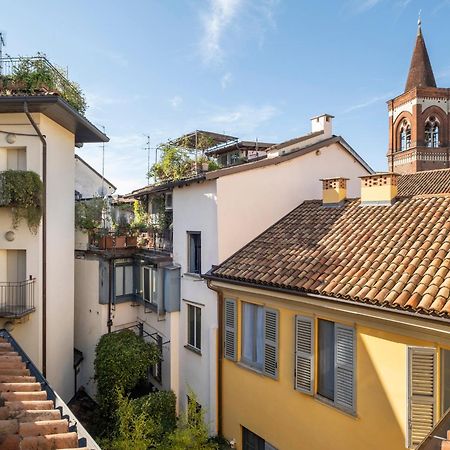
[393, 256]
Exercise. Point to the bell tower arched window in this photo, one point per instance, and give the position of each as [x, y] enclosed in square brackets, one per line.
[432, 132]
[405, 136]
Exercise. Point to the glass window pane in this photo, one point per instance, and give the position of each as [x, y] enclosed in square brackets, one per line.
[326, 359]
[191, 325]
[119, 280]
[198, 328]
[259, 335]
[128, 280]
[146, 283]
[248, 325]
[153, 289]
[445, 380]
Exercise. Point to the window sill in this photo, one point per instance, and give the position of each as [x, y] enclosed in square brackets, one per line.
[327, 402]
[193, 275]
[250, 368]
[193, 349]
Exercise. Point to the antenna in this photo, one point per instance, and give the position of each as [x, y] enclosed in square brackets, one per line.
[147, 147]
[103, 163]
[2, 44]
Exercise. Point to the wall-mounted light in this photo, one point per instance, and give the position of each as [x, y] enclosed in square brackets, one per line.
[10, 235]
[11, 138]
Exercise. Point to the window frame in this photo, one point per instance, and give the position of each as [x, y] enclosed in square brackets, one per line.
[444, 359]
[405, 136]
[123, 267]
[153, 283]
[198, 257]
[197, 327]
[254, 365]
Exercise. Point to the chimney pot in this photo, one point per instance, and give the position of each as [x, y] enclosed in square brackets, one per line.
[379, 188]
[334, 191]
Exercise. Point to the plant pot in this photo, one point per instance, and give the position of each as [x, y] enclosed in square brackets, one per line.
[205, 167]
[106, 243]
[120, 241]
[131, 241]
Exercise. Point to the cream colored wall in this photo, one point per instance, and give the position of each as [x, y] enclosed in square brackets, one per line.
[250, 201]
[290, 420]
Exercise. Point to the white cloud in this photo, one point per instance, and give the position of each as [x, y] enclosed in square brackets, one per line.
[215, 22]
[226, 79]
[375, 99]
[243, 119]
[176, 101]
[360, 6]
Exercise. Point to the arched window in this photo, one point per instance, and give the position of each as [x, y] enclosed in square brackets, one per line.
[405, 136]
[432, 132]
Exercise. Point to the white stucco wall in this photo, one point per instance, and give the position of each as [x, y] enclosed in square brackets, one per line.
[88, 183]
[229, 212]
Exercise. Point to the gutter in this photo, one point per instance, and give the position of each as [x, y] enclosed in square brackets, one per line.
[209, 277]
[44, 237]
[219, 354]
[109, 322]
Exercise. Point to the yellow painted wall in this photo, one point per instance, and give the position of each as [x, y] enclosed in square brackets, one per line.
[290, 420]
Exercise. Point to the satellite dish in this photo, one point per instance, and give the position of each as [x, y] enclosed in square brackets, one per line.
[102, 191]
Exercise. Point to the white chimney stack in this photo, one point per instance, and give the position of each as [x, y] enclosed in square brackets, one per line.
[324, 123]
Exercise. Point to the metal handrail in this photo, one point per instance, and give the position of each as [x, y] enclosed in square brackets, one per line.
[17, 298]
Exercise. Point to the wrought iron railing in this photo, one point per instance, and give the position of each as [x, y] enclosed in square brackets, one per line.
[160, 240]
[17, 298]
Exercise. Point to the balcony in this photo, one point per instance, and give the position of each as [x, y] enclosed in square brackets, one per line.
[16, 298]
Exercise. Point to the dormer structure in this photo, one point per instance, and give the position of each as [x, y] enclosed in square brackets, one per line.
[419, 119]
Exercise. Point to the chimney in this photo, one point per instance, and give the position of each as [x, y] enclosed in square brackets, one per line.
[379, 188]
[334, 191]
[323, 123]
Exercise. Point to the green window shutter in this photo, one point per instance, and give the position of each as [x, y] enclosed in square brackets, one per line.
[270, 365]
[230, 322]
[304, 354]
[345, 368]
[421, 393]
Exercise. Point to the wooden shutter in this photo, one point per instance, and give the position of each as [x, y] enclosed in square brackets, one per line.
[344, 389]
[304, 354]
[230, 321]
[270, 365]
[421, 393]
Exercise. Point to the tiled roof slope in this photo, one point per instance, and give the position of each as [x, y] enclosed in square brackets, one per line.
[28, 420]
[426, 182]
[394, 256]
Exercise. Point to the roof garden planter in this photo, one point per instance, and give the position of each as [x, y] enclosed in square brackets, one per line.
[131, 241]
[22, 191]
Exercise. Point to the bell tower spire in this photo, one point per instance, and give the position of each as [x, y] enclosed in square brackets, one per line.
[420, 71]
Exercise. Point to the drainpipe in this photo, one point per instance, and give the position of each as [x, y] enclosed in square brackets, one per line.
[44, 238]
[110, 291]
[219, 354]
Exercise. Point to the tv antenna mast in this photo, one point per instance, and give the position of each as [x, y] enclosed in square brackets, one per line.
[2, 44]
[147, 147]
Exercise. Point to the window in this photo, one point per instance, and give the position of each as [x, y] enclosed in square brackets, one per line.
[252, 335]
[194, 327]
[335, 371]
[432, 132]
[194, 252]
[252, 441]
[405, 136]
[168, 201]
[156, 369]
[149, 284]
[445, 377]
[124, 280]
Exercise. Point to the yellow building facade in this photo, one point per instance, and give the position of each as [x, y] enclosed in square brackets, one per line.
[394, 354]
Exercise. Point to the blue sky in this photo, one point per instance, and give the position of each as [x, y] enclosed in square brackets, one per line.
[250, 68]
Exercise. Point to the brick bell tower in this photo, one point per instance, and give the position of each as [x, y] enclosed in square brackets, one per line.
[419, 119]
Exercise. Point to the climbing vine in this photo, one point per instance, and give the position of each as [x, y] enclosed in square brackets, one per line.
[22, 191]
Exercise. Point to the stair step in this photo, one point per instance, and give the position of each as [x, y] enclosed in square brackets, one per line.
[5, 357]
[445, 445]
[17, 379]
[50, 442]
[43, 427]
[10, 442]
[23, 396]
[12, 364]
[20, 387]
[29, 404]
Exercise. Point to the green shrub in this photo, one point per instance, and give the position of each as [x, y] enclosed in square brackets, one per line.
[122, 361]
[22, 190]
[88, 213]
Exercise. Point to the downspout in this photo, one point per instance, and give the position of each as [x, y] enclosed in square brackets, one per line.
[109, 322]
[219, 354]
[44, 237]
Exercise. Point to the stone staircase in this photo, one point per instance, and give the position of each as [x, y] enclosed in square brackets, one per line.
[445, 445]
[28, 419]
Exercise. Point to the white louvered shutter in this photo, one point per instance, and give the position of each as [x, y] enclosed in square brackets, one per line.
[270, 366]
[345, 352]
[421, 393]
[304, 354]
[230, 321]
